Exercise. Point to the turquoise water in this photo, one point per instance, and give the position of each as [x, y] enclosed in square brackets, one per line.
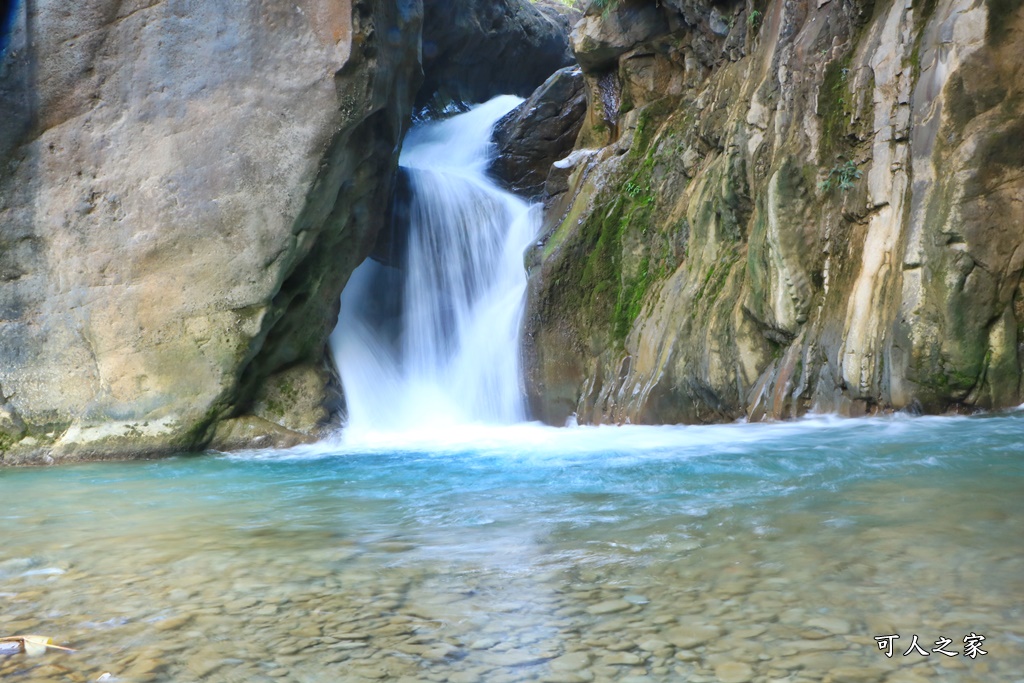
[726, 553]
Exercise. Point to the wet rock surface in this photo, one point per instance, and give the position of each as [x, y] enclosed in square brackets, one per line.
[182, 196]
[185, 191]
[603, 35]
[540, 132]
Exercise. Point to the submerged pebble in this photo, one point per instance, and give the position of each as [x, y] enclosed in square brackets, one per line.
[354, 569]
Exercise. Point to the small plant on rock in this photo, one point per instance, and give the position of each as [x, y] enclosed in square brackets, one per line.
[841, 177]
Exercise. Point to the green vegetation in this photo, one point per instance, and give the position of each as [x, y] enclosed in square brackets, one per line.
[630, 301]
[754, 19]
[635, 191]
[280, 402]
[841, 177]
[615, 295]
[834, 107]
[605, 6]
[620, 250]
[714, 280]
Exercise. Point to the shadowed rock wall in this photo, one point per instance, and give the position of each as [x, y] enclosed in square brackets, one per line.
[476, 49]
[780, 207]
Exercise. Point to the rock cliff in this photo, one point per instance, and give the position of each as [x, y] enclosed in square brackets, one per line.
[183, 186]
[776, 207]
[184, 190]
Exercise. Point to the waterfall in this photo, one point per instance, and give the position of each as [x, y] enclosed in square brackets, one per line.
[434, 342]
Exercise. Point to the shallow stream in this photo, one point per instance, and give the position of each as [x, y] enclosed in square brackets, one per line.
[772, 552]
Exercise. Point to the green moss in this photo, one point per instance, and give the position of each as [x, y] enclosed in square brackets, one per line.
[610, 261]
[630, 301]
[282, 396]
[713, 282]
[198, 435]
[601, 274]
[572, 219]
[952, 384]
[615, 299]
[834, 107]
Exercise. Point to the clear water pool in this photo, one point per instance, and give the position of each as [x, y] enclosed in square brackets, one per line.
[770, 552]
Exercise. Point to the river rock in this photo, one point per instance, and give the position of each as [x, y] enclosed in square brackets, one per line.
[653, 645]
[539, 132]
[621, 659]
[609, 607]
[572, 662]
[833, 625]
[856, 675]
[734, 672]
[691, 635]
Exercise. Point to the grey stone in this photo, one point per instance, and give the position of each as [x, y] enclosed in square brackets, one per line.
[539, 132]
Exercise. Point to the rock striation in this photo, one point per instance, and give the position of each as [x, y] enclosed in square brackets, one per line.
[782, 207]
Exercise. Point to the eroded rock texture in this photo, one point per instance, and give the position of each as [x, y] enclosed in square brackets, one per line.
[778, 207]
[184, 188]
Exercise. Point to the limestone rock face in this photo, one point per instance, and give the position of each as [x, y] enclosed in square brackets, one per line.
[476, 49]
[539, 132]
[184, 188]
[805, 206]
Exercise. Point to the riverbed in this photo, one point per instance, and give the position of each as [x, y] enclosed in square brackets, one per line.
[746, 552]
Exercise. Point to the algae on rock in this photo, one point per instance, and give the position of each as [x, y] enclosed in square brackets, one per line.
[817, 210]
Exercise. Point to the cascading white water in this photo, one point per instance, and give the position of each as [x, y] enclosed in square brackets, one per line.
[446, 351]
